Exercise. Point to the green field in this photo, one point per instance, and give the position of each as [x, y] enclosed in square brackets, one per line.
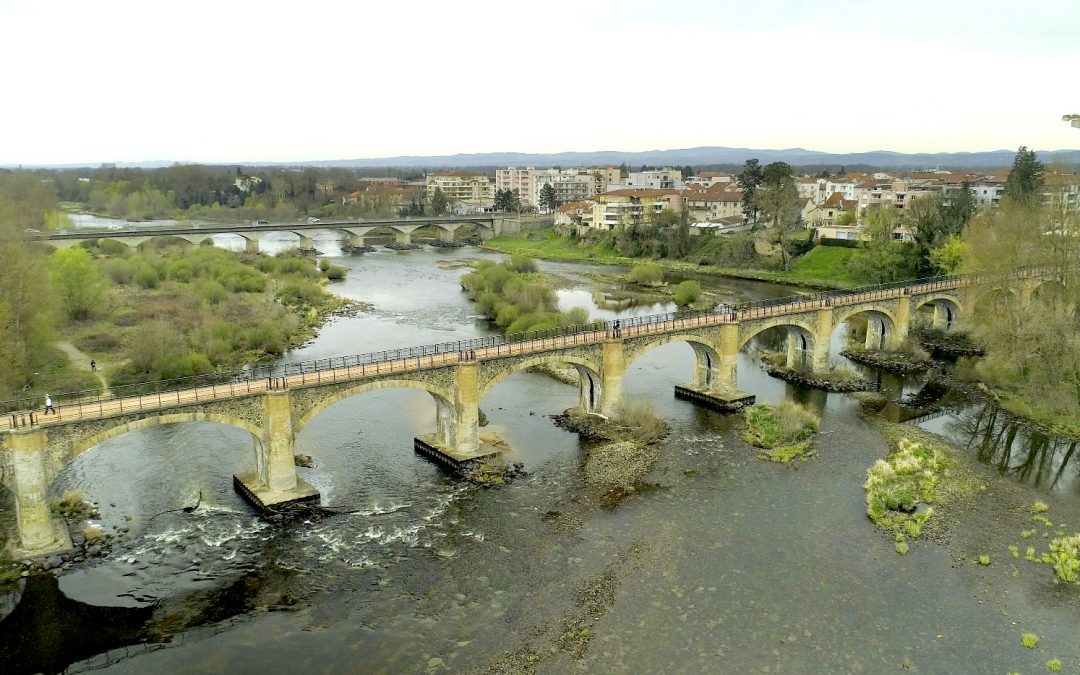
[822, 267]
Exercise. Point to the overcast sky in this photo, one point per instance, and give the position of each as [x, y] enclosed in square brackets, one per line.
[226, 81]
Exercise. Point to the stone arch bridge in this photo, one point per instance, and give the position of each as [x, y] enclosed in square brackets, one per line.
[354, 233]
[274, 404]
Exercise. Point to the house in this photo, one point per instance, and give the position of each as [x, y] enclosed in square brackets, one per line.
[574, 213]
[828, 211]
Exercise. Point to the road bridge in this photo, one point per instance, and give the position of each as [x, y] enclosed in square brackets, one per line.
[274, 403]
[355, 233]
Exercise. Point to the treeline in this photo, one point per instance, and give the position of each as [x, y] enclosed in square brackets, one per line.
[516, 297]
[231, 192]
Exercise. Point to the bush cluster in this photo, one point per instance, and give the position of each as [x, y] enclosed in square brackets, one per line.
[896, 485]
[514, 296]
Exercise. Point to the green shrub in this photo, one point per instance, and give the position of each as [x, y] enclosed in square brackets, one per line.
[265, 336]
[120, 270]
[335, 272]
[1065, 557]
[646, 274]
[686, 293]
[298, 291]
[521, 264]
[1029, 640]
[146, 276]
[191, 363]
[211, 291]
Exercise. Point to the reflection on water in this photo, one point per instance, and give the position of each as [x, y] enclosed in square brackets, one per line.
[1002, 442]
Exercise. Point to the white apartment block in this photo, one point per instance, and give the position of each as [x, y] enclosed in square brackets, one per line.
[460, 186]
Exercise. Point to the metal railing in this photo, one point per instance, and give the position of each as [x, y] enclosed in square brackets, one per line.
[20, 412]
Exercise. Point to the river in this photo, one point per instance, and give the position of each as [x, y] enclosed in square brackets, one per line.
[724, 564]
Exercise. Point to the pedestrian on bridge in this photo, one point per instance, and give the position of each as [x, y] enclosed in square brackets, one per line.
[49, 405]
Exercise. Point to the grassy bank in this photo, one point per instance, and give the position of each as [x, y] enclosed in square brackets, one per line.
[821, 267]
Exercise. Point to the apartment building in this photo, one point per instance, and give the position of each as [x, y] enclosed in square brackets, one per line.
[661, 179]
[626, 206]
[512, 178]
[712, 204]
[460, 186]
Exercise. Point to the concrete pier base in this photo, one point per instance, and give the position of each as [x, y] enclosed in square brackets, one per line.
[265, 499]
[429, 446]
[61, 543]
[724, 401]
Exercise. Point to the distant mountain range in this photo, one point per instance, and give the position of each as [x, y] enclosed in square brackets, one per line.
[702, 156]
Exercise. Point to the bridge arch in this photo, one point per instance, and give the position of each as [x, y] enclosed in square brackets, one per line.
[946, 309]
[881, 325]
[444, 400]
[751, 329]
[707, 360]
[83, 444]
[590, 384]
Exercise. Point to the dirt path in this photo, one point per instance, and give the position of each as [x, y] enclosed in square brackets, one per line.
[81, 361]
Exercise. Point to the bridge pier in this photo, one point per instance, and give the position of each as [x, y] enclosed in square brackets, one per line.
[403, 237]
[251, 243]
[445, 233]
[612, 369]
[824, 323]
[943, 316]
[274, 481]
[903, 322]
[456, 442]
[714, 384]
[39, 534]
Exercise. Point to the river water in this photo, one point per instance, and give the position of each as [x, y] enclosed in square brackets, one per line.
[723, 564]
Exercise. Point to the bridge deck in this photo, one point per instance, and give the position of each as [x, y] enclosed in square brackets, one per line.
[96, 408]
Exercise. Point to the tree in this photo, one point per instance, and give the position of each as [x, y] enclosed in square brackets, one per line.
[507, 200]
[883, 259]
[748, 180]
[438, 202]
[548, 200]
[932, 221]
[678, 232]
[778, 201]
[687, 171]
[78, 282]
[1025, 182]
[949, 256]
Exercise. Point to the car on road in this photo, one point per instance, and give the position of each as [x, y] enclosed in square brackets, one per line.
[31, 230]
[114, 226]
[312, 221]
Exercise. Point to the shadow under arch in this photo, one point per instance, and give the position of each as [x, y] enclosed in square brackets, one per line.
[443, 401]
[590, 381]
[802, 341]
[706, 358]
[946, 310]
[881, 326]
[82, 445]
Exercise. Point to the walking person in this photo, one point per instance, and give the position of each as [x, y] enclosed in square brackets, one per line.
[618, 328]
[49, 405]
[93, 366]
